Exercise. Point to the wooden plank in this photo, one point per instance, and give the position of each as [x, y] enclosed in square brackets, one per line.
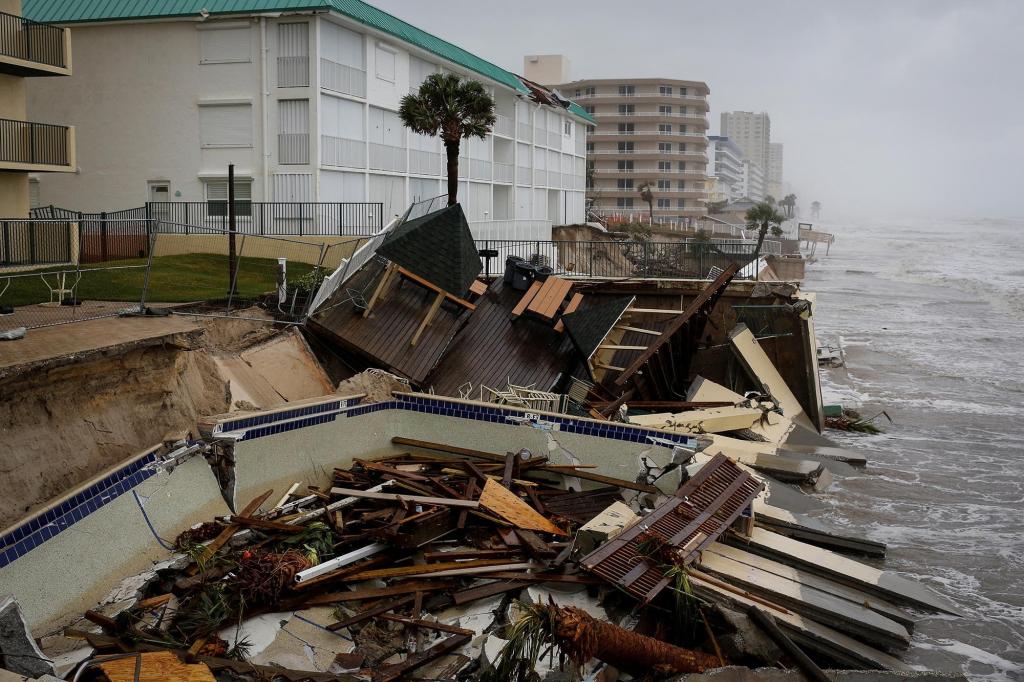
[379, 593]
[551, 296]
[385, 279]
[368, 613]
[510, 507]
[433, 287]
[675, 325]
[155, 666]
[574, 303]
[526, 299]
[428, 317]
[612, 346]
[488, 590]
[477, 287]
[398, 670]
[638, 330]
[394, 497]
[554, 468]
[427, 569]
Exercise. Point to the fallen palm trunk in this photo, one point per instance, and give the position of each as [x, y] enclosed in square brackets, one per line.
[581, 638]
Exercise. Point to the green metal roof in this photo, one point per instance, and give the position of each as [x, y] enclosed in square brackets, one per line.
[80, 11]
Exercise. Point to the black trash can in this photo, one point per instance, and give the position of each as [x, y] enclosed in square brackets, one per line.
[523, 275]
[510, 266]
[543, 272]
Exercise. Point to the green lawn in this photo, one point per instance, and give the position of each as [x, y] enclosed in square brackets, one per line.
[174, 279]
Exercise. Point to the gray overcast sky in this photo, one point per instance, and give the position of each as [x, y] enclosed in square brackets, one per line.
[907, 106]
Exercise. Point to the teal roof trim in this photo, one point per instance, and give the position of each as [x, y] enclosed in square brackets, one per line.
[582, 113]
[76, 11]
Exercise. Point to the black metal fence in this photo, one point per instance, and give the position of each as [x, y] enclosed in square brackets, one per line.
[32, 41]
[667, 260]
[34, 242]
[104, 236]
[275, 218]
[26, 142]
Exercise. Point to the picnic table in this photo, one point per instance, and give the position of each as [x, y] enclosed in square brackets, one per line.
[544, 299]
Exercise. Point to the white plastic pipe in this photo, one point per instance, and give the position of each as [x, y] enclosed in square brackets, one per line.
[343, 560]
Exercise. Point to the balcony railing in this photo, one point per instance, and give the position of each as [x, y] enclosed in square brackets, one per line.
[31, 41]
[503, 126]
[652, 171]
[665, 114]
[342, 78]
[642, 93]
[659, 133]
[34, 143]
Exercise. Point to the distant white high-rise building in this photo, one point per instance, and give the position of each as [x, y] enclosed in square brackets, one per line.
[775, 180]
[725, 165]
[753, 181]
[752, 132]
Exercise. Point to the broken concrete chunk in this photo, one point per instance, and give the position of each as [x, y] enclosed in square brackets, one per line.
[613, 520]
[18, 651]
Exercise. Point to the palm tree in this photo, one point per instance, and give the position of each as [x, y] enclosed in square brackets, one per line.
[648, 196]
[790, 203]
[761, 217]
[815, 209]
[452, 108]
[769, 199]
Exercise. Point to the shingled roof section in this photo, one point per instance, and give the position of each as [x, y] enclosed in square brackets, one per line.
[589, 326]
[438, 247]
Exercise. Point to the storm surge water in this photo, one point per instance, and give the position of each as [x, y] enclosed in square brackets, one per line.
[931, 317]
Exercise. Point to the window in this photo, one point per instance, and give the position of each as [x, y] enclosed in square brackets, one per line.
[590, 109]
[682, 111]
[625, 147]
[626, 109]
[625, 166]
[293, 55]
[664, 147]
[419, 69]
[577, 92]
[682, 91]
[293, 131]
[590, 147]
[664, 165]
[589, 92]
[682, 165]
[625, 128]
[627, 90]
[665, 128]
[682, 146]
[681, 203]
[664, 203]
[385, 63]
[625, 183]
[664, 89]
[225, 125]
[681, 185]
[217, 197]
[682, 129]
[624, 202]
[228, 43]
[567, 128]
[665, 110]
[664, 184]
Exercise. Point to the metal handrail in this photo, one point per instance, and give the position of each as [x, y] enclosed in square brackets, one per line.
[28, 142]
[31, 41]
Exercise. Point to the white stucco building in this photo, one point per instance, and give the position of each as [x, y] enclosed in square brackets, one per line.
[304, 103]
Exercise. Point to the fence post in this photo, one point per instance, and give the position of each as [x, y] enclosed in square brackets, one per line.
[32, 243]
[263, 218]
[301, 217]
[103, 236]
[151, 243]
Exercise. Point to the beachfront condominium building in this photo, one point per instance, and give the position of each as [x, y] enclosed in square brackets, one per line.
[774, 181]
[650, 131]
[751, 131]
[753, 181]
[29, 50]
[302, 97]
[725, 169]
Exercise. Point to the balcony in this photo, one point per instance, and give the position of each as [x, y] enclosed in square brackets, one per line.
[669, 116]
[644, 95]
[694, 174]
[697, 156]
[694, 135]
[26, 146]
[28, 48]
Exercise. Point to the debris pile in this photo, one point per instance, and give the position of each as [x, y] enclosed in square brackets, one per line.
[441, 562]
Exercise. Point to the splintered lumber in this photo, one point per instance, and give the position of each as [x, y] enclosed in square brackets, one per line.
[841, 569]
[760, 368]
[370, 612]
[214, 545]
[574, 303]
[379, 593]
[155, 667]
[488, 590]
[398, 670]
[506, 504]
[427, 569]
[806, 665]
[394, 497]
[491, 457]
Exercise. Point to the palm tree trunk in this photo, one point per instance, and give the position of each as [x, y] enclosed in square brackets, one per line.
[451, 147]
[760, 240]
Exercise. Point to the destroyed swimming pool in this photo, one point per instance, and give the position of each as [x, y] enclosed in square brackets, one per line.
[657, 529]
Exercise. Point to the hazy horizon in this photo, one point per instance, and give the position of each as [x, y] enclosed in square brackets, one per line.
[907, 108]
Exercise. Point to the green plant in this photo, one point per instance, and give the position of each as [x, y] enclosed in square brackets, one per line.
[761, 217]
[451, 107]
[308, 282]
